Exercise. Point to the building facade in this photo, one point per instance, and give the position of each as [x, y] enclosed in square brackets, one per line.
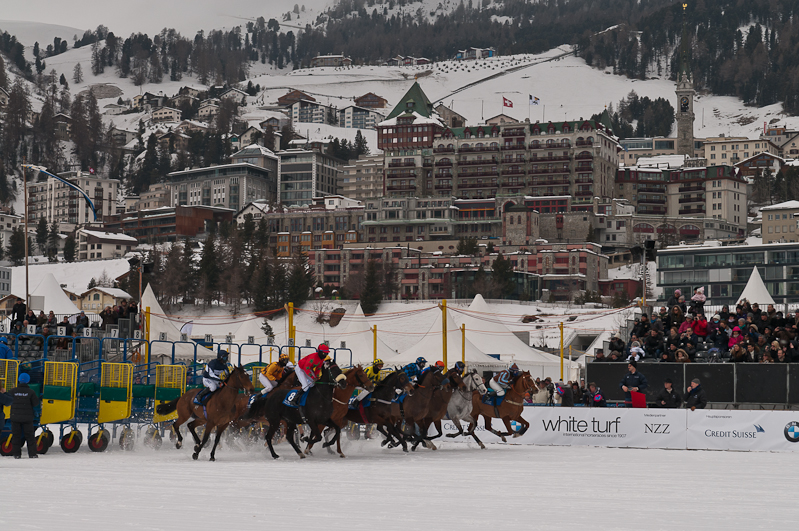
[331, 60]
[732, 150]
[780, 222]
[227, 186]
[354, 117]
[59, 203]
[370, 100]
[100, 245]
[168, 224]
[362, 178]
[304, 174]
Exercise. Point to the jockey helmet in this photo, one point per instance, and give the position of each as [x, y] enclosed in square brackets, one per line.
[223, 355]
[378, 361]
[283, 359]
[460, 366]
[323, 349]
[421, 362]
[440, 364]
[514, 369]
[284, 356]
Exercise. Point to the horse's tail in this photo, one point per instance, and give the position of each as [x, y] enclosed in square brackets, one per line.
[166, 409]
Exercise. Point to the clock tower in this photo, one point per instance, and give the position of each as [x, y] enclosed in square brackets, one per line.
[685, 98]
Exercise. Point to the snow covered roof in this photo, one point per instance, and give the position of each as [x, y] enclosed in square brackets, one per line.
[254, 150]
[109, 236]
[418, 119]
[55, 299]
[782, 206]
[755, 290]
[114, 292]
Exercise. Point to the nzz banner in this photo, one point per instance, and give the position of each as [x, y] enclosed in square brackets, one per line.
[611, 427]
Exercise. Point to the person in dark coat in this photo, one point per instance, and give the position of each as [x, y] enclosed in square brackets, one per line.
[695, 397]
[18, 312]
[566, 394]
[668, 396]
[632, 381]
[593, 397]
[22, 416]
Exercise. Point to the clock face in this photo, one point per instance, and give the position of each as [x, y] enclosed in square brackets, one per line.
[684, 103]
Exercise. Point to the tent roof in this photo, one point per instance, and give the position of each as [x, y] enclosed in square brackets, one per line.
[755, 290]
[431, 347]
[55, 299]
[159, 323]
[359, 339]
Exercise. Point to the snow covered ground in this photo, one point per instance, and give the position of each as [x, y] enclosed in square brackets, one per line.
[456, 487]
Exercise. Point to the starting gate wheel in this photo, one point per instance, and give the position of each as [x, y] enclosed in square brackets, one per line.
[71, 441]
[152, 438]
[44, 441]
[5, 447]
[127, 439]
[99, 441]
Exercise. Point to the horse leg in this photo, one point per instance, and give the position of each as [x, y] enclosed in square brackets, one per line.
[525, 426]
[199, 447]
[398, 435]
[290, 436]
[192, 425]
[273, 427]
[472, 427]
[219, 431]
[457, 422]
[437, 424]
[491, 429]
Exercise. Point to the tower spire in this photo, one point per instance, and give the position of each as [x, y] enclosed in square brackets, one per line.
[685, 70]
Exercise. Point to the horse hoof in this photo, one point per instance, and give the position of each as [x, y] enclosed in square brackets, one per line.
[195, 456]
[342, 456]
[385, 442]
[179, 445]
[453, 435]
[212, 459]
[482, 446]
[405, 449]
[433, 446]
[302, 456]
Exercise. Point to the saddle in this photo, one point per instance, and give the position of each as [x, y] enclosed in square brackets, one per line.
[353, 403]
[295, 398]
[493, 400]
[201, 398]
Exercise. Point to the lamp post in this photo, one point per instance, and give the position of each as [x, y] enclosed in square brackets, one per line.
[25, 198]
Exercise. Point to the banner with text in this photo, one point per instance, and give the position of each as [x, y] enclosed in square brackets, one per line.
[716, 429]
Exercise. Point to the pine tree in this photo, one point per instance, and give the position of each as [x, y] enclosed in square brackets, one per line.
[42, 233]
[502, 276]
[209, 271]
[189, 273]
[301, 280]
[372, 293]
[360, 146]
[69, 248]
[16, 246]
[53, 238]
[77, 74]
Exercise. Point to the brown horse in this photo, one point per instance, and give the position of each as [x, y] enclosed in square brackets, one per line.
[510, 409]
[221, 409]
[415, 407]
[437, 409]
[380, 411]
[356, 377]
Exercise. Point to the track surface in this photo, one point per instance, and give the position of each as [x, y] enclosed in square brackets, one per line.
[458, 486]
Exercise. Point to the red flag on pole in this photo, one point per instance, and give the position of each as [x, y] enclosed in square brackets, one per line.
[506, 102]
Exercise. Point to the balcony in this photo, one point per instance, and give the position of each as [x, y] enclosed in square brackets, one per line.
[584, 180]
[511, 184]
[478, 174]
[401, 164]
[652, 190]
[584, 156]
[513, 132]
[427, 164]
[655, 211]
[401, 188]
[440, 175]
[541, 171]
[582, 193]
[585, 143]
[693, 187]
[444, 163]
[443, 187]
[486, 162]
[549, 182]
[444, 150]
[651, 200]
[472, 149]
[477, 185]
[513, 147]
[685, 211]
[691, 200]
[549, 159]
[400, 174]
[512, 161]
[519, 171]
[584, 167]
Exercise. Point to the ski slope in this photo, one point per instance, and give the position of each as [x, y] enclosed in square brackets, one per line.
[457, 487]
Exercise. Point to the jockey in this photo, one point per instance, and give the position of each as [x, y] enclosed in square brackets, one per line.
[502, 380]
[214, 375]
[373, 371]
[460, 367]
[413, 370]
[440, 365]
[309, 368]
[272, 374]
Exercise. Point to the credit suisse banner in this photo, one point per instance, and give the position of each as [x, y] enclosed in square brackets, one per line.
[711, 429]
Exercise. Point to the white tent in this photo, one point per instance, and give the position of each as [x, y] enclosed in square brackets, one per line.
[160, 324]
[55, 299]
[360, 340]
[755, 291]
[431, 348]
[490, 335]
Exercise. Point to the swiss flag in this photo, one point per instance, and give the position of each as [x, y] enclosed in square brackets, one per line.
[506, 102]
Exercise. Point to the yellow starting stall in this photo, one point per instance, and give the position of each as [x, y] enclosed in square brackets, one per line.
[170, 383]
[256, 368]
[116, 392]
[9, 372]
[59, 399]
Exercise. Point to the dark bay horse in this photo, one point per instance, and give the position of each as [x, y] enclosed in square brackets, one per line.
[356, 378]
[223, 407]
[380, 411]
[317, 410]
[416, 405]
[510, 409]
[439, 403]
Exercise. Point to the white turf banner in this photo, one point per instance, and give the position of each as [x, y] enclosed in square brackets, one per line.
[652, 428]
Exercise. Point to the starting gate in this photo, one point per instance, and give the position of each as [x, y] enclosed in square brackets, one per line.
[59, 392]
[9, 370]
[116, 392]
[170, 383]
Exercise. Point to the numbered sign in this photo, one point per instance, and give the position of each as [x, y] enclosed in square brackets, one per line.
[87, 332]
[62, 330]
[137, 334]
[291, 341]
[31, 329]
[271, 340]
[343, 344]
[184, 337]
[115, 332]
[307, 342]
[209, 338]
[2, 329]
[250, 339]
[162, 336]
[229, 338]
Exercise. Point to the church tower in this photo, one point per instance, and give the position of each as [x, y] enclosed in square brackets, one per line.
[685, 97]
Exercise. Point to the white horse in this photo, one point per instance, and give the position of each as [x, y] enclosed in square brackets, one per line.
[460, 405]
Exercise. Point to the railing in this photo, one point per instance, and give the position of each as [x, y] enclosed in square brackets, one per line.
[399, 188]
[583, 193]
[651, 200]
[509, 147]
[583, 143]
[471, 149]
[549, 170]
[513, 172]
[444, 163]
[692, 211]
[478, 185]
[443, 187]
[466, 175]
[444, 150]
[652, 190]
[401, 164]
[513, 132]
[537, 182]
[691, 200]
[535, 159]
[477, 162]
[427, 164]
[583, 180]
[511, 184]
[584, 156]
[692, 188]
[511, 160]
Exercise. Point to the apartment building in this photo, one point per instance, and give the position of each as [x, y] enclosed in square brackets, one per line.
[786, 140]
[311, 112]
[354, 117]
[732, 150]
[59, 203]
[168, 224]
[304, 174]
[780, 222]
[94, 244]
[362, 178]
[227, 185]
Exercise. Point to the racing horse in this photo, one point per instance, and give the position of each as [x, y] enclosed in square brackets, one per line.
[316, 411]
[439, 404]
[379, 412]
[223, 407]
[460, 405]
[415, 406]
[356, 378]
[510, 409]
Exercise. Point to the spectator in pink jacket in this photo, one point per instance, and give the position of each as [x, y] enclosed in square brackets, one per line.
[736, 337]
[688, 323]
